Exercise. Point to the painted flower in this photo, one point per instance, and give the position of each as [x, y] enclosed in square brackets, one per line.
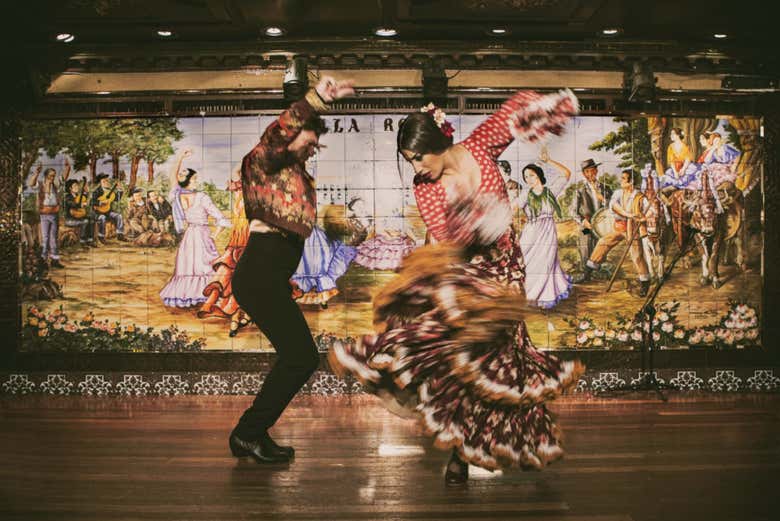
[728, 337]
[636, 335]
[584, 324]
[739, 334]
[591, 333]
[751, 334]
[709, 337]
[656, 336]
[57, 325]
[679, 333]
[741, 308]
[582, 338]
[623, 336]
[598, 332]
[610, 334]
[131, 329]
[70, 328]
[43, 332]
[695, 338]
[598, 342]
[33, 321]
[663, 316]
[667, 327]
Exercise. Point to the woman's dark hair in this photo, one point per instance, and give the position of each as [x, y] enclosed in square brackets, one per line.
[536, 169]
[186, 181]
[419, 133]
[679, 132]
[316, 124]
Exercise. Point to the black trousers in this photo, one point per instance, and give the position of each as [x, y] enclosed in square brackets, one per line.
[262, 289]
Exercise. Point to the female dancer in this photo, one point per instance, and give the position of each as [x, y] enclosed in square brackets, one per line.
[450, 344]
[197, 251]
[546, 284]
[220, 301]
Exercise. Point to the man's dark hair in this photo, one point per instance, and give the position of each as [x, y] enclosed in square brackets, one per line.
[316, 124]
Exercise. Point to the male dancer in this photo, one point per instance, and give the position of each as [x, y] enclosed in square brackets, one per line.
[281, 203]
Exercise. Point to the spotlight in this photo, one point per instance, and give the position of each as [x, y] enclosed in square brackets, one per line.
[720, 36]
[65, 37]
[434, 83]
[610, 31]
[296, 79]
[274, 31]
[498, 31]
[164, 33]
[385, 32]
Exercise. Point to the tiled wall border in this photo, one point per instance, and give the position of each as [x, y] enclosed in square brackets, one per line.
[325, 383]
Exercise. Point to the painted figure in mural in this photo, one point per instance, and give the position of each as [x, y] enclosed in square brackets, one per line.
[324, 261]
[657, 223]
[682, 170]
[138, 219]
[49, 202]
[628, 206]
[590, 198]
[546, 283]
[160, 212]
[451, 346]
[220, 300]
[104, 197]
[281, 203]
[197, 252]
[77, 214]
[357, 222]
[721, 160]
[386, 246]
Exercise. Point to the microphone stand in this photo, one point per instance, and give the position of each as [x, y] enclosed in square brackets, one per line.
[648, 380]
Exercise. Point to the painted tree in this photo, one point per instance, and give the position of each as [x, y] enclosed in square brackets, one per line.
[37, 135]
[88, 141]
[630, 142]
[162, 134]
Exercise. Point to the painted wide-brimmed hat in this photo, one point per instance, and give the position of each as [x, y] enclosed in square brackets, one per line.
[588, 163]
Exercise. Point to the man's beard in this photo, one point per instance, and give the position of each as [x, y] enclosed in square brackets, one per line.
[289, 158]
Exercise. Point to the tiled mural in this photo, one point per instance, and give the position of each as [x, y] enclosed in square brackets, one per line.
[100, 244]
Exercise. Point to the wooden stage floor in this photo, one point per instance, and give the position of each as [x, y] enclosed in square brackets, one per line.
[698, 457]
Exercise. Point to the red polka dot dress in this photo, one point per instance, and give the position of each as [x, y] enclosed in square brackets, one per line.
[451, 343]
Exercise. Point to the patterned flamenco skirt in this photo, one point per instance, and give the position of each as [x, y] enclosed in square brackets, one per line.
[452, 350]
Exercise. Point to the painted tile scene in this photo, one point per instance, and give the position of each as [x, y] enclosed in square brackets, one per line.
[109, 265]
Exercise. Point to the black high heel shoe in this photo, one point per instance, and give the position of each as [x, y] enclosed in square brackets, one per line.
[234, 327]
[457, 471]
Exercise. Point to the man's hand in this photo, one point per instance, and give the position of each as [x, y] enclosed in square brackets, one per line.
[330, 89]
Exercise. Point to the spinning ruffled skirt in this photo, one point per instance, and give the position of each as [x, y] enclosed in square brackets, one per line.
[452, 348]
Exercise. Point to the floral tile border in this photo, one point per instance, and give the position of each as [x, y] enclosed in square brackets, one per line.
[326, 384]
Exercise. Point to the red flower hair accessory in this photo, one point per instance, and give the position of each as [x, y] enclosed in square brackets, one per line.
[439, 117]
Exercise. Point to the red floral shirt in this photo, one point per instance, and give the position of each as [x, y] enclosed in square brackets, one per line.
[276, 191]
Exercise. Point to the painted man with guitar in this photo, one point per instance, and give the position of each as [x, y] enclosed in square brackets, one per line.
[103, 198]
[77, 213]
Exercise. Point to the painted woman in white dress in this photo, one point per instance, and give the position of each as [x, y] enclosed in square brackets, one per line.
[197, 251]
[546, 283]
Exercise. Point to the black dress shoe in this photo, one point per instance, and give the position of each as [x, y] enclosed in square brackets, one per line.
[284, 449]
[259, 451]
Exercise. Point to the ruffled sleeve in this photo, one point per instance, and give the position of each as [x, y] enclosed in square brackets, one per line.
[528, 116]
